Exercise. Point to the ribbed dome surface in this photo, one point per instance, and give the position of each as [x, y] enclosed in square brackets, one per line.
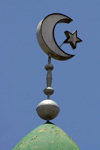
[46, 137]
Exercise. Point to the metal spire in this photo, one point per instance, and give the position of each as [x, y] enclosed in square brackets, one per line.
[49, 67]
[48, 109]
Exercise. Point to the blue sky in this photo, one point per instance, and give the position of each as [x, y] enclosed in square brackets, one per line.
[22, 76]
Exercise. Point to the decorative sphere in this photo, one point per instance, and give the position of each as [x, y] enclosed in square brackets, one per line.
[47, 109]
[48, 91]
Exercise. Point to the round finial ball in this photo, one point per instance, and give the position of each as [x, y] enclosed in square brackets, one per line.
[47, 109]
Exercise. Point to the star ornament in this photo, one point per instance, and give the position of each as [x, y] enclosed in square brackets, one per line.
[72, 38]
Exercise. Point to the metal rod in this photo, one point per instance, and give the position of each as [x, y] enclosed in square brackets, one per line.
[61, 44]
[49, 67]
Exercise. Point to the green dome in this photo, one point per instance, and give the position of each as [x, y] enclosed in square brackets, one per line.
[46, 137]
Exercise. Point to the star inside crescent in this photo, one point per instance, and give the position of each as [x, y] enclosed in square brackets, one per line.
[72, 38]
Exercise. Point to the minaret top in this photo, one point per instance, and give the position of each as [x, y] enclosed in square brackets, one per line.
[48, 135]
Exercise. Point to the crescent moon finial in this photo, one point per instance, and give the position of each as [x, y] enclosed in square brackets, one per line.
[48, 109]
